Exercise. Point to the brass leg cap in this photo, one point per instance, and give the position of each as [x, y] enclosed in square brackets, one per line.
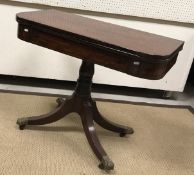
[106, 164]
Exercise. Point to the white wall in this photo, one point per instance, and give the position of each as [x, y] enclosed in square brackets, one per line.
[24, 59]
[173, 10]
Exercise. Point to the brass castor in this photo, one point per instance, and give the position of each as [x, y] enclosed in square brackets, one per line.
[127, 131]
[22, 122]
[106, 164]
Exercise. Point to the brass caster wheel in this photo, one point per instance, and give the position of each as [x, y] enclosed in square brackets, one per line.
[60, 101]
[106, 164]
[22, 122]
[127, 131]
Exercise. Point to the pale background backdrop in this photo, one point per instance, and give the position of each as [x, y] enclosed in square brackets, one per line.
[24, 59]
[171, 10]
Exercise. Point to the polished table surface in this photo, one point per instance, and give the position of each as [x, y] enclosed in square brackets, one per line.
[126, 50]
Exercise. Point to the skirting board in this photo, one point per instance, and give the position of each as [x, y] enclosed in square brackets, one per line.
[65, 87]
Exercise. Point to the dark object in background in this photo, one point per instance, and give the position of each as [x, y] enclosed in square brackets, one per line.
[191, 75]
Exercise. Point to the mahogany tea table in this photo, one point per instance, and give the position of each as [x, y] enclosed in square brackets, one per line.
[130, 51]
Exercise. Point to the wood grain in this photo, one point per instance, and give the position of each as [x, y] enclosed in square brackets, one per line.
[123, 49]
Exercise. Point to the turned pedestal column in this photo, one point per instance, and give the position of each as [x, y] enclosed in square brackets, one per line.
[82, 103]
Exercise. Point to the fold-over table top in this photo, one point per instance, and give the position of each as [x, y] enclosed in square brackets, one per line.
[109, 35]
